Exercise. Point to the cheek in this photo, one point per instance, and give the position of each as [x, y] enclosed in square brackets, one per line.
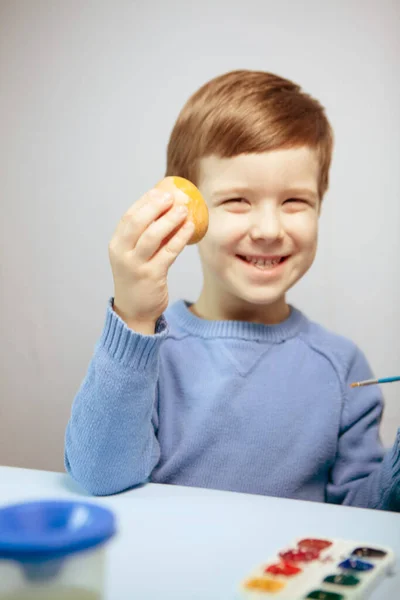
[224, 230]
[303, 229]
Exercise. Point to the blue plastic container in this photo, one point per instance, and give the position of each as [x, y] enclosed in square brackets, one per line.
[53, 550]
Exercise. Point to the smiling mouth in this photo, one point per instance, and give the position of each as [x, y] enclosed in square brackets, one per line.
[263, 263]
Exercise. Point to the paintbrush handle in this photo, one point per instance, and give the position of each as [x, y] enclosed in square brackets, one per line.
[374, 381]
[388, 379]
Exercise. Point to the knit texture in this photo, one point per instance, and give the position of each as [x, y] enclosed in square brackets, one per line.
[230, 405]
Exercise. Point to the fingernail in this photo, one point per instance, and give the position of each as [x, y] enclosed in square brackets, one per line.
[166, 197]
[181, 209]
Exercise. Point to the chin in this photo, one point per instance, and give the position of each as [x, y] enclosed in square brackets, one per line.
[260, 297]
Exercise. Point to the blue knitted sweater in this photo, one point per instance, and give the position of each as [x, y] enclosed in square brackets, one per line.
[231, 405]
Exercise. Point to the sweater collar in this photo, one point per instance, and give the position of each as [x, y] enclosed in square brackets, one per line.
[179, 315]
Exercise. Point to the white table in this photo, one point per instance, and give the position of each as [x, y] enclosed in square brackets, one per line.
[184, 543]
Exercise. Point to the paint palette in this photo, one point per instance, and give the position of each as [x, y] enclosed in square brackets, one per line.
[319, 569]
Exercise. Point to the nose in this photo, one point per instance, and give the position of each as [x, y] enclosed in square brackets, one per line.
[266, 224]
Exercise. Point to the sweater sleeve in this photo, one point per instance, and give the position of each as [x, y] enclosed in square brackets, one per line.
[110, 441]
[363, 474]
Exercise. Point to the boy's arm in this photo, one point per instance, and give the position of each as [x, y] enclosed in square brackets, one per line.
[110, 442]
[364, 474]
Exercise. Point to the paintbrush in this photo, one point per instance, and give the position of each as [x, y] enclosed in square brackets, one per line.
[374, 381]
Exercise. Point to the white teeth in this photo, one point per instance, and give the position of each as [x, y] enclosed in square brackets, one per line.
[260, 262]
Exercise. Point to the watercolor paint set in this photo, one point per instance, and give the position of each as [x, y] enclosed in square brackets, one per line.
[312, 568]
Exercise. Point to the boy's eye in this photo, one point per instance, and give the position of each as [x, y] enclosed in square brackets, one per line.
[236, 200]
[296, 200]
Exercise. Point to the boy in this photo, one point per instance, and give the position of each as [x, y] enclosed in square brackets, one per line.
[237, 391]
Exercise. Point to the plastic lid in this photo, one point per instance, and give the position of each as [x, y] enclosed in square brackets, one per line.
[36, 531]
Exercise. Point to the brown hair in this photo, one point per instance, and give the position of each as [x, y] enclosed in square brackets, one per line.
[248, 112]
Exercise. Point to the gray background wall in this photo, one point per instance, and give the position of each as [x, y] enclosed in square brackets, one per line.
[89, 94]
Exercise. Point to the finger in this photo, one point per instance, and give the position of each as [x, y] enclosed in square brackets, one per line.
[152, 194]
[140, 215]
[160, 230]
[169, 251]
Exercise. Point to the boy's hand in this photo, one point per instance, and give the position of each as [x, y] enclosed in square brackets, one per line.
[146, 242]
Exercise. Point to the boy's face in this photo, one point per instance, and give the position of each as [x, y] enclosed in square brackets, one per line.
[262, 235]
